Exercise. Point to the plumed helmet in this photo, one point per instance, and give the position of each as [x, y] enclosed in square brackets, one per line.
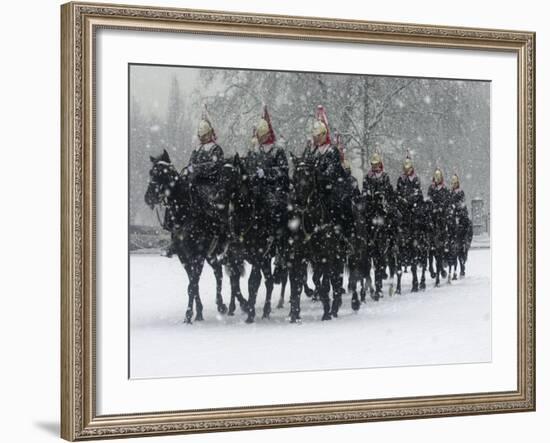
[408, 166]
[319, 128]
[320, 125]
[205, 126]
[438, 176]
[375, 159]
[264, 128]
[455, 182]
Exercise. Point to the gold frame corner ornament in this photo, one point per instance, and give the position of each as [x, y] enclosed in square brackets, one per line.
[79, 21]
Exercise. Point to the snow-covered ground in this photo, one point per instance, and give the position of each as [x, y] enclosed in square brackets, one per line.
[450, 324]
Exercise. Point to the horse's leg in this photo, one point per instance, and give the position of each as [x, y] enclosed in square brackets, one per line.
[218, 274]
[463, 258]
[317, 276]
[353, 278]
[399, 275]
[378, 276]
[439, 266]
[309, 291]
[296, 282]
[253, 285]
[414, 268]
[368, 267]
[324, 291]
[431, 257]
[268, 278]
[336, 271]
[392, 266]
[399, 265]
[424, 265]
[284, 279]
[192, 289]
[198, 302]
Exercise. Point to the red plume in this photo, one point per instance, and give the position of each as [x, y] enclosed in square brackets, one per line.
[341, 147]
[321, 115]
[206, 117]
[271, 139]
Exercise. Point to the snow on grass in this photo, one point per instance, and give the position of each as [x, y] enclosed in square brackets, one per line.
[450, 324]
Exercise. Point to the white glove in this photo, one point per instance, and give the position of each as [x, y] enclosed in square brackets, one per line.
[260, 173]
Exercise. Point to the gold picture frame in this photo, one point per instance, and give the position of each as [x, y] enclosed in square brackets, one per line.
[79, 22]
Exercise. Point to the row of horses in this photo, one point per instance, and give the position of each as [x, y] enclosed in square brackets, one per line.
[223, 225]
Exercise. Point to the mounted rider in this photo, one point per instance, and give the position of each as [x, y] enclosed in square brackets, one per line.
[458, 197]
[332, 179]
[268, 169]
[442, 218]
[440, 197]
[408, 190]
[409, 199]
[203, 172]
[378, 195]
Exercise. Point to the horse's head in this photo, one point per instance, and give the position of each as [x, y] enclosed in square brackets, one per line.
[163, 179]
[303, 180]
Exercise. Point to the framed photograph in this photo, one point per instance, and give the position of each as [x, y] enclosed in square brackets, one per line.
[277, 221]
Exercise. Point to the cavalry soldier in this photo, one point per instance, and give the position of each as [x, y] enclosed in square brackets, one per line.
[203, 173]
[334, 227]
[410, 201]
[408, 190]
[442, 220]
[376, 185]
[457, 194]
[269, 175]
[378, 195]
[462, 235]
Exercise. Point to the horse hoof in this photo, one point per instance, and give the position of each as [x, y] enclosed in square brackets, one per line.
[414, 289]
[326, 316]
[355, 304]
[281, 304]
[443, 273]
[432, 274]
[454, 276]
[251, 316]
[188, 316]
[199, 317]
[231, 310]
[222, 308]
[244, 307]
[398, 291]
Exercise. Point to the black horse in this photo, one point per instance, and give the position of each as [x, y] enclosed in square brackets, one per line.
[192, 240]
[442, 231]
[304, 214]
[249, 237]
[461, 241]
